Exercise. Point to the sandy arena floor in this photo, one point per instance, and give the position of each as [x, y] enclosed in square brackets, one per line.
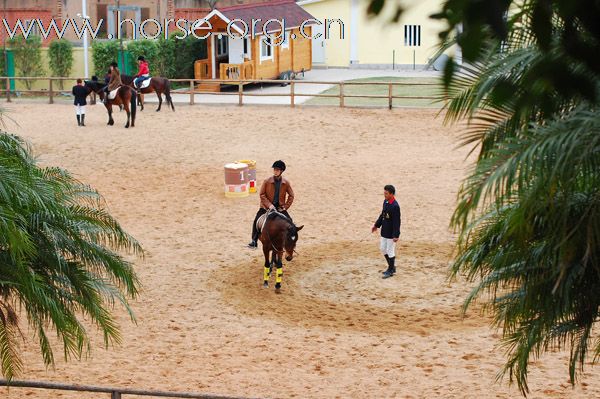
[337, 330]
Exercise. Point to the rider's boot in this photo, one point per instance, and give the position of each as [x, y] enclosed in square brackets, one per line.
[387, 259]
[392, 268]
[254, 242]
[82, 119]
[78, 120]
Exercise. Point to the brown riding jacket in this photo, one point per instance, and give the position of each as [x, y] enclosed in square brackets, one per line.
[267, 193]
[115, 80]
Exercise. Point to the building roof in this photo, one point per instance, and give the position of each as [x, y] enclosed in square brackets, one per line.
[287, 10]
[281, 10]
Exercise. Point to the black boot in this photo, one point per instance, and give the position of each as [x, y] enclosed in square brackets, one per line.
[78, 120]
[392, 268]
[82, 119]
[253, 244]
[387, 259]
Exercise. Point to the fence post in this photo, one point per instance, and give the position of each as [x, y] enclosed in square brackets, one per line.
[292, 98]
[50, 93]
[8, 90]
[115, 395]
[342, 94]
[390, 96]
[192, 92]
[240, 93]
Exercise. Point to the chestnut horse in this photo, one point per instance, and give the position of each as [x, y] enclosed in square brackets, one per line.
[278, 235]
[158, 85]
[126, 97]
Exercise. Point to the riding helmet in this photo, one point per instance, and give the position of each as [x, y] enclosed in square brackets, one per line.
[141, 58]
[279, 165]
[114, 65]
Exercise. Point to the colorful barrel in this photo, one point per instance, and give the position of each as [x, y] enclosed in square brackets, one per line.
[251, 173]
[236, 180]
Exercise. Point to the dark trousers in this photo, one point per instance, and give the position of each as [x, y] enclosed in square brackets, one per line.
[261, 212]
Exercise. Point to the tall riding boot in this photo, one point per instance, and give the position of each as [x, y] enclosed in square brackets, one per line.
[82, 119]
[78, 120]
[392, 268]
[387, 259]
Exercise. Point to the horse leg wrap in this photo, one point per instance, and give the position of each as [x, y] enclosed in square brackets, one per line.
[279, 275]
[266, 273]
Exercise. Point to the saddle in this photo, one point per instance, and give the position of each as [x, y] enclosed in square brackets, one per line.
[145, 83]
[113, 94]
[260, 223]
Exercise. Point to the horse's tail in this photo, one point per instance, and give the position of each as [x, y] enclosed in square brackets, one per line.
[133, 103]
[168, 93]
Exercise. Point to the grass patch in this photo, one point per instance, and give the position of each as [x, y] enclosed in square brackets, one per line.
[381, 90]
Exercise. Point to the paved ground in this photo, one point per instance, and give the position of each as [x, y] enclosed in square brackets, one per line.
[323, 75]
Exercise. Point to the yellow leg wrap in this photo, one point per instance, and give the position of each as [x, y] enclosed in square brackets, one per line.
[279, 274]
[266, 274]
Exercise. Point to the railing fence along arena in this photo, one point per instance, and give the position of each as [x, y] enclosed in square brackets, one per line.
[52, 90]
[115, 393]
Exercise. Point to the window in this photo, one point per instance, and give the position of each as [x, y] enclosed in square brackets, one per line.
[266, 48]
[247, 51]
[35, 29]
[222, 45]
[412, 35]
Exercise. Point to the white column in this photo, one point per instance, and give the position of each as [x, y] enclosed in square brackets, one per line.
[212, 56]
[85, 40]
[354, 22]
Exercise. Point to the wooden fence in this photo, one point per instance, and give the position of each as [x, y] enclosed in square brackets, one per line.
[115, 393]
[53, 92]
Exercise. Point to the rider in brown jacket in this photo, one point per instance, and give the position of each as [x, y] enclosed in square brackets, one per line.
[273, 193]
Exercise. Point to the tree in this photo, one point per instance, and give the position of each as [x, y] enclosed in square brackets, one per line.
[27, 56]
[58, 263]
[103, 53]
[163, 64]
[529, 212]
[60, 58]
[187, 51]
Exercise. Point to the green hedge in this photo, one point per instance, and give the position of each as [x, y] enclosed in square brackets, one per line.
[172, 58]
[60, 58]
[104, 52]
[28, 56]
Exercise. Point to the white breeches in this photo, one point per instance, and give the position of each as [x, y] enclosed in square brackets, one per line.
[387, 247]
[80, 109]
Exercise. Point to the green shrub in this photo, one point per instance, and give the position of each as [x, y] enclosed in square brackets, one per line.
[60, 58]
[104, 52]
[27, 56]
[187, 51]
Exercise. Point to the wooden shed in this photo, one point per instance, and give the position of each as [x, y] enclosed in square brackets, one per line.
[239, 56]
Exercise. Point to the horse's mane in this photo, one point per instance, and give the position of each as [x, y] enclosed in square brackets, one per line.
[282, 216]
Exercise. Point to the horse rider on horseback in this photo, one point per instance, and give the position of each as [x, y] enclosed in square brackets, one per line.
[143, 72]
[115, 80]
[276, 194]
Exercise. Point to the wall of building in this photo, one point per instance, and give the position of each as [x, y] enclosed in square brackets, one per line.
[337, 49]
[377, 42]
[76, 72]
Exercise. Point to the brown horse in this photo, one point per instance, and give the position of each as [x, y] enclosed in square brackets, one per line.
[125, 97]
[158, 85]
[279, 234]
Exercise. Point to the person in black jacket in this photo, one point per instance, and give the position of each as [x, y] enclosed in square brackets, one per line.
[389, 221]
[80, 92]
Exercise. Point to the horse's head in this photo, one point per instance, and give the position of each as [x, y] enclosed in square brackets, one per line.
[95, 86]
[290, 241]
